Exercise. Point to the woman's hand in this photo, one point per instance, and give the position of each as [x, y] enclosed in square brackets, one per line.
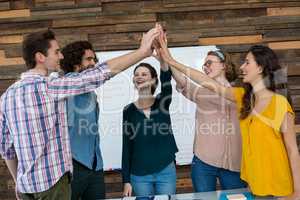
[146, 45]
[127, 191]
[294, 196]
[163, 47]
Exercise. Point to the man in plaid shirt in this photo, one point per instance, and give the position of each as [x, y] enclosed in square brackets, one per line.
[34, 139]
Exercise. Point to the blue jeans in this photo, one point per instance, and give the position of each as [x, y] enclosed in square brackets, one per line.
[163, 182]
[204, 177]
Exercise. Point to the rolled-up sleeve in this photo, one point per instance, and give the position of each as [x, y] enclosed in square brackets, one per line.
[7, 149]
[86, 81]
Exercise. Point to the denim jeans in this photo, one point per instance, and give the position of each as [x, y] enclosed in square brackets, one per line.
[163, 182]
[204, 177]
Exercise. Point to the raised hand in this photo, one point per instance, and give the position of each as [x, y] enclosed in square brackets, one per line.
[147, 40]
[163, 47]
[157, 55]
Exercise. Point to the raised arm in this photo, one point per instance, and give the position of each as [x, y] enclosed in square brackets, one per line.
[193, 74]
[121, 63]
[181, 80]
[90, 79]
[185, 86]
[165, 78]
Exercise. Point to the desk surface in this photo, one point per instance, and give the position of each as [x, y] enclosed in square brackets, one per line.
[215, 195]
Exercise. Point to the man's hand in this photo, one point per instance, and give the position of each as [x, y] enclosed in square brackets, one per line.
[162, 47]
[147, 40]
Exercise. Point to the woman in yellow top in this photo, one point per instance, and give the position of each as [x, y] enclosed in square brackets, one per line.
[270, 158]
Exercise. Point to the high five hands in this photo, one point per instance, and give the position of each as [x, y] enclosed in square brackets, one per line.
[162, 53]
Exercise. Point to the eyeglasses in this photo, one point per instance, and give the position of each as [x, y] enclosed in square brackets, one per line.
[209, 63]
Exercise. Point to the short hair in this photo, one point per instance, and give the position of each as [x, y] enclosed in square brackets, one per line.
[34, 43]
[73, 54]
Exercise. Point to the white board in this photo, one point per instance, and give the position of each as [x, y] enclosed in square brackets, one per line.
[119, 92]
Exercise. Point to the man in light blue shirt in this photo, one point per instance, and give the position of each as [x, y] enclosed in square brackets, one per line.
[88, 177]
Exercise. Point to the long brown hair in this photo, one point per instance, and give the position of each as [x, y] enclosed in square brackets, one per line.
[267, 59]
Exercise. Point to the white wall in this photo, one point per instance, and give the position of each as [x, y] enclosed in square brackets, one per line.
[119, 91]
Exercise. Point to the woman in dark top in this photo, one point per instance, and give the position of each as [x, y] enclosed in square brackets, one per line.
[149, 147]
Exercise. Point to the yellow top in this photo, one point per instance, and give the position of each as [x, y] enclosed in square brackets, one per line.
[265, 164]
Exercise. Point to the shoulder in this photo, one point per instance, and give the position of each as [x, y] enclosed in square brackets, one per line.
[128, 108]
[280, 98]
[238, 94]
[238, 90]
[11, 90]
[282, 103]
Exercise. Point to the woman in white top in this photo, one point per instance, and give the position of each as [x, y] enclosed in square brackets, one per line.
[217, 142]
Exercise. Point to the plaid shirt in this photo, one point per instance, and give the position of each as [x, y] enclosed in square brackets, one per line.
[33, 125]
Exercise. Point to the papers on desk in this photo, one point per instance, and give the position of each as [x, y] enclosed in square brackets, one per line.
[156, 197]
[128, 198]
[236, 196]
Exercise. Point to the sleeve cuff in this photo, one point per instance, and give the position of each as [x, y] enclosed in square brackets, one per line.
[165, 75]
[9, 155]
[103, 67]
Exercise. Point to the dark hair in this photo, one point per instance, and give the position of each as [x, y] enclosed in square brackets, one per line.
[230, 69]
[73, 54]
[34, 43]
[152, 72]
[267, 59]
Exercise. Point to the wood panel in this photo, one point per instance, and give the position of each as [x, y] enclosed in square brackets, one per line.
[283, 11]
[298, 129]
[103, 20]
[11, 39]
[285, 45]
[245, 39]
[15, 13]
[4, 5]
[234, 26]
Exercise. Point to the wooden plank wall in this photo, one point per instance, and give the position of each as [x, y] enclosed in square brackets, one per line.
[233, 25]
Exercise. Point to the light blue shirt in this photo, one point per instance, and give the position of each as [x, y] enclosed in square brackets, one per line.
[83, 129]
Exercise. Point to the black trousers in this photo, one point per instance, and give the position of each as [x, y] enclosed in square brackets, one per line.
[87, 184]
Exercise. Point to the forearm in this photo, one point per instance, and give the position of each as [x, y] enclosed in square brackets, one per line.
[204, 80]
[119, 64]
[12, 166]
[195, 75]
[165, 79]
[179, 78]
[78, 83]
[295, 167]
